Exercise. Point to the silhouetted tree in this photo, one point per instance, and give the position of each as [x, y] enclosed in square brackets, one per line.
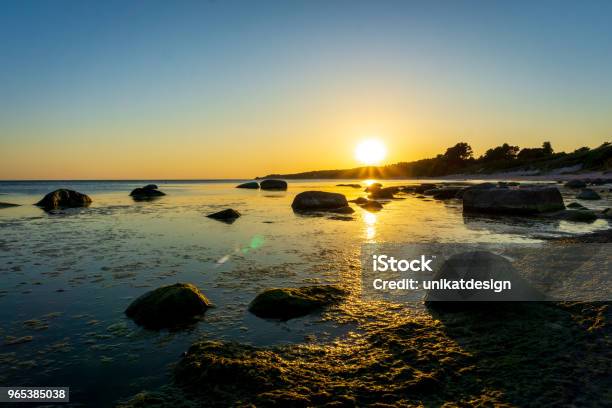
[459, 153]
[547, 149]
[503, 152]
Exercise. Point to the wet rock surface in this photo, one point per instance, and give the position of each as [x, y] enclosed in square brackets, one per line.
[272, 184]
[168, 306]
[288, 303]
[64, 198]
[227, 215]
[150, 191]
[251, 185]
[513, 201]
[320, 201]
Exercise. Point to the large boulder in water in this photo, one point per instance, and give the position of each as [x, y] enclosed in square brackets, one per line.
[588, 194]
[386, 192]
[228, 215]
[64, 198]
[168, 306]
[251, 184]
[513, 201]
[287, 303]
[319, 201]
[272, 184]
[446, 193]
[146, 193]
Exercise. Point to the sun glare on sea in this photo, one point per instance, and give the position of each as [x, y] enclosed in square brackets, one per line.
[370, 152]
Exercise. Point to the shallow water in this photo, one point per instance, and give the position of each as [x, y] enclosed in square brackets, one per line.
[66, 278]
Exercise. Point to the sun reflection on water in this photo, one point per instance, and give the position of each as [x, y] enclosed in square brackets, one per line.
[370, 224]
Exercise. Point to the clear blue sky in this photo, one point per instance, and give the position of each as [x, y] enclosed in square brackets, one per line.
[124, 89]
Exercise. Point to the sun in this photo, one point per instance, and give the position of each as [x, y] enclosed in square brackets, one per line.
[370, 152]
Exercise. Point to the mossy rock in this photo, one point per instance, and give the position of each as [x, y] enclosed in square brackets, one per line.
[168, 306]
[580, 216]
[288, 303]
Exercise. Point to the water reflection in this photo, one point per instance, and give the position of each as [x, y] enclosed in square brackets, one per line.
[369, 220]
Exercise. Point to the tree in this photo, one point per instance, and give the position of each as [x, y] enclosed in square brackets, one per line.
[547, 149]
[459, 153]
[503, 152]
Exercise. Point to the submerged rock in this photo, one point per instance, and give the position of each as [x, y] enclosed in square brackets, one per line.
[64, 198]
[588, 194]
[8, 205]
[225, 215]
[320, 201]
[372, 187]
[349, 185]
[360, 200]
[287, 303]
[575, 184]
[513, 201]
[424, 187]
[272, 184]
[575, 205]
[251, 184]
[168, 306]
[146, 193]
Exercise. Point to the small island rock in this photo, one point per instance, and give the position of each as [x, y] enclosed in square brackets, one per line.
[64, 198]
[271, 184]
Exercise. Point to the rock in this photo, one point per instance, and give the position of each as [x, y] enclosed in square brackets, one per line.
[272, 184]
[8, 205]
[371, 205]
[575, 184]
[580, 215]
[446, 193]
[386, 192]
[168, 306]
[360, 200]
[64, 198]
[225, 215]
[513, 201]
[424, 187]
[349, 185]
[319, 201]
[251, 184]
[342, 210]
[147, 192]
[287, 303]
[482, 266]
[607, 213]
[576, 205]
[480, 186]
[588, 194]
[372, 187]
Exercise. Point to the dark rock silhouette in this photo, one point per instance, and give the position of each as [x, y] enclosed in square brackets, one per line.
[588, 194]
[320, 201]
[8, 205]
[272, 184]
[575, 184]
[227, 215]
[168, 306]
[251, 184]
[147, 192]
[513, 201]
[64, 198]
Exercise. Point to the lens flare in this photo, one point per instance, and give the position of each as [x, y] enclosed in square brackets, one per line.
[370, 152]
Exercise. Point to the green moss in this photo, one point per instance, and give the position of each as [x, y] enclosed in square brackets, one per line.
[168, 306]
[287, 303]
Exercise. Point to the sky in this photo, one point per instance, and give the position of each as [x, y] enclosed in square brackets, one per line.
[237, 89]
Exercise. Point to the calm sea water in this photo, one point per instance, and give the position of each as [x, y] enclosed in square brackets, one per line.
[65, 279]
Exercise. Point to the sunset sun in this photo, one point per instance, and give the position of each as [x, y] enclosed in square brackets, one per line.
[370, 152]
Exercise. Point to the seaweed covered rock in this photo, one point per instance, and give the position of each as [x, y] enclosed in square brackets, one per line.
[251, 184]
[147, 192]
[588, 194]
[513, 201]
[168, 306]
[287, 303]
[227, 215]
[319, 201]
[272, 184]
[64, 198]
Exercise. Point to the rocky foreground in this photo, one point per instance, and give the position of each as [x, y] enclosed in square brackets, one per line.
[514, 354]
